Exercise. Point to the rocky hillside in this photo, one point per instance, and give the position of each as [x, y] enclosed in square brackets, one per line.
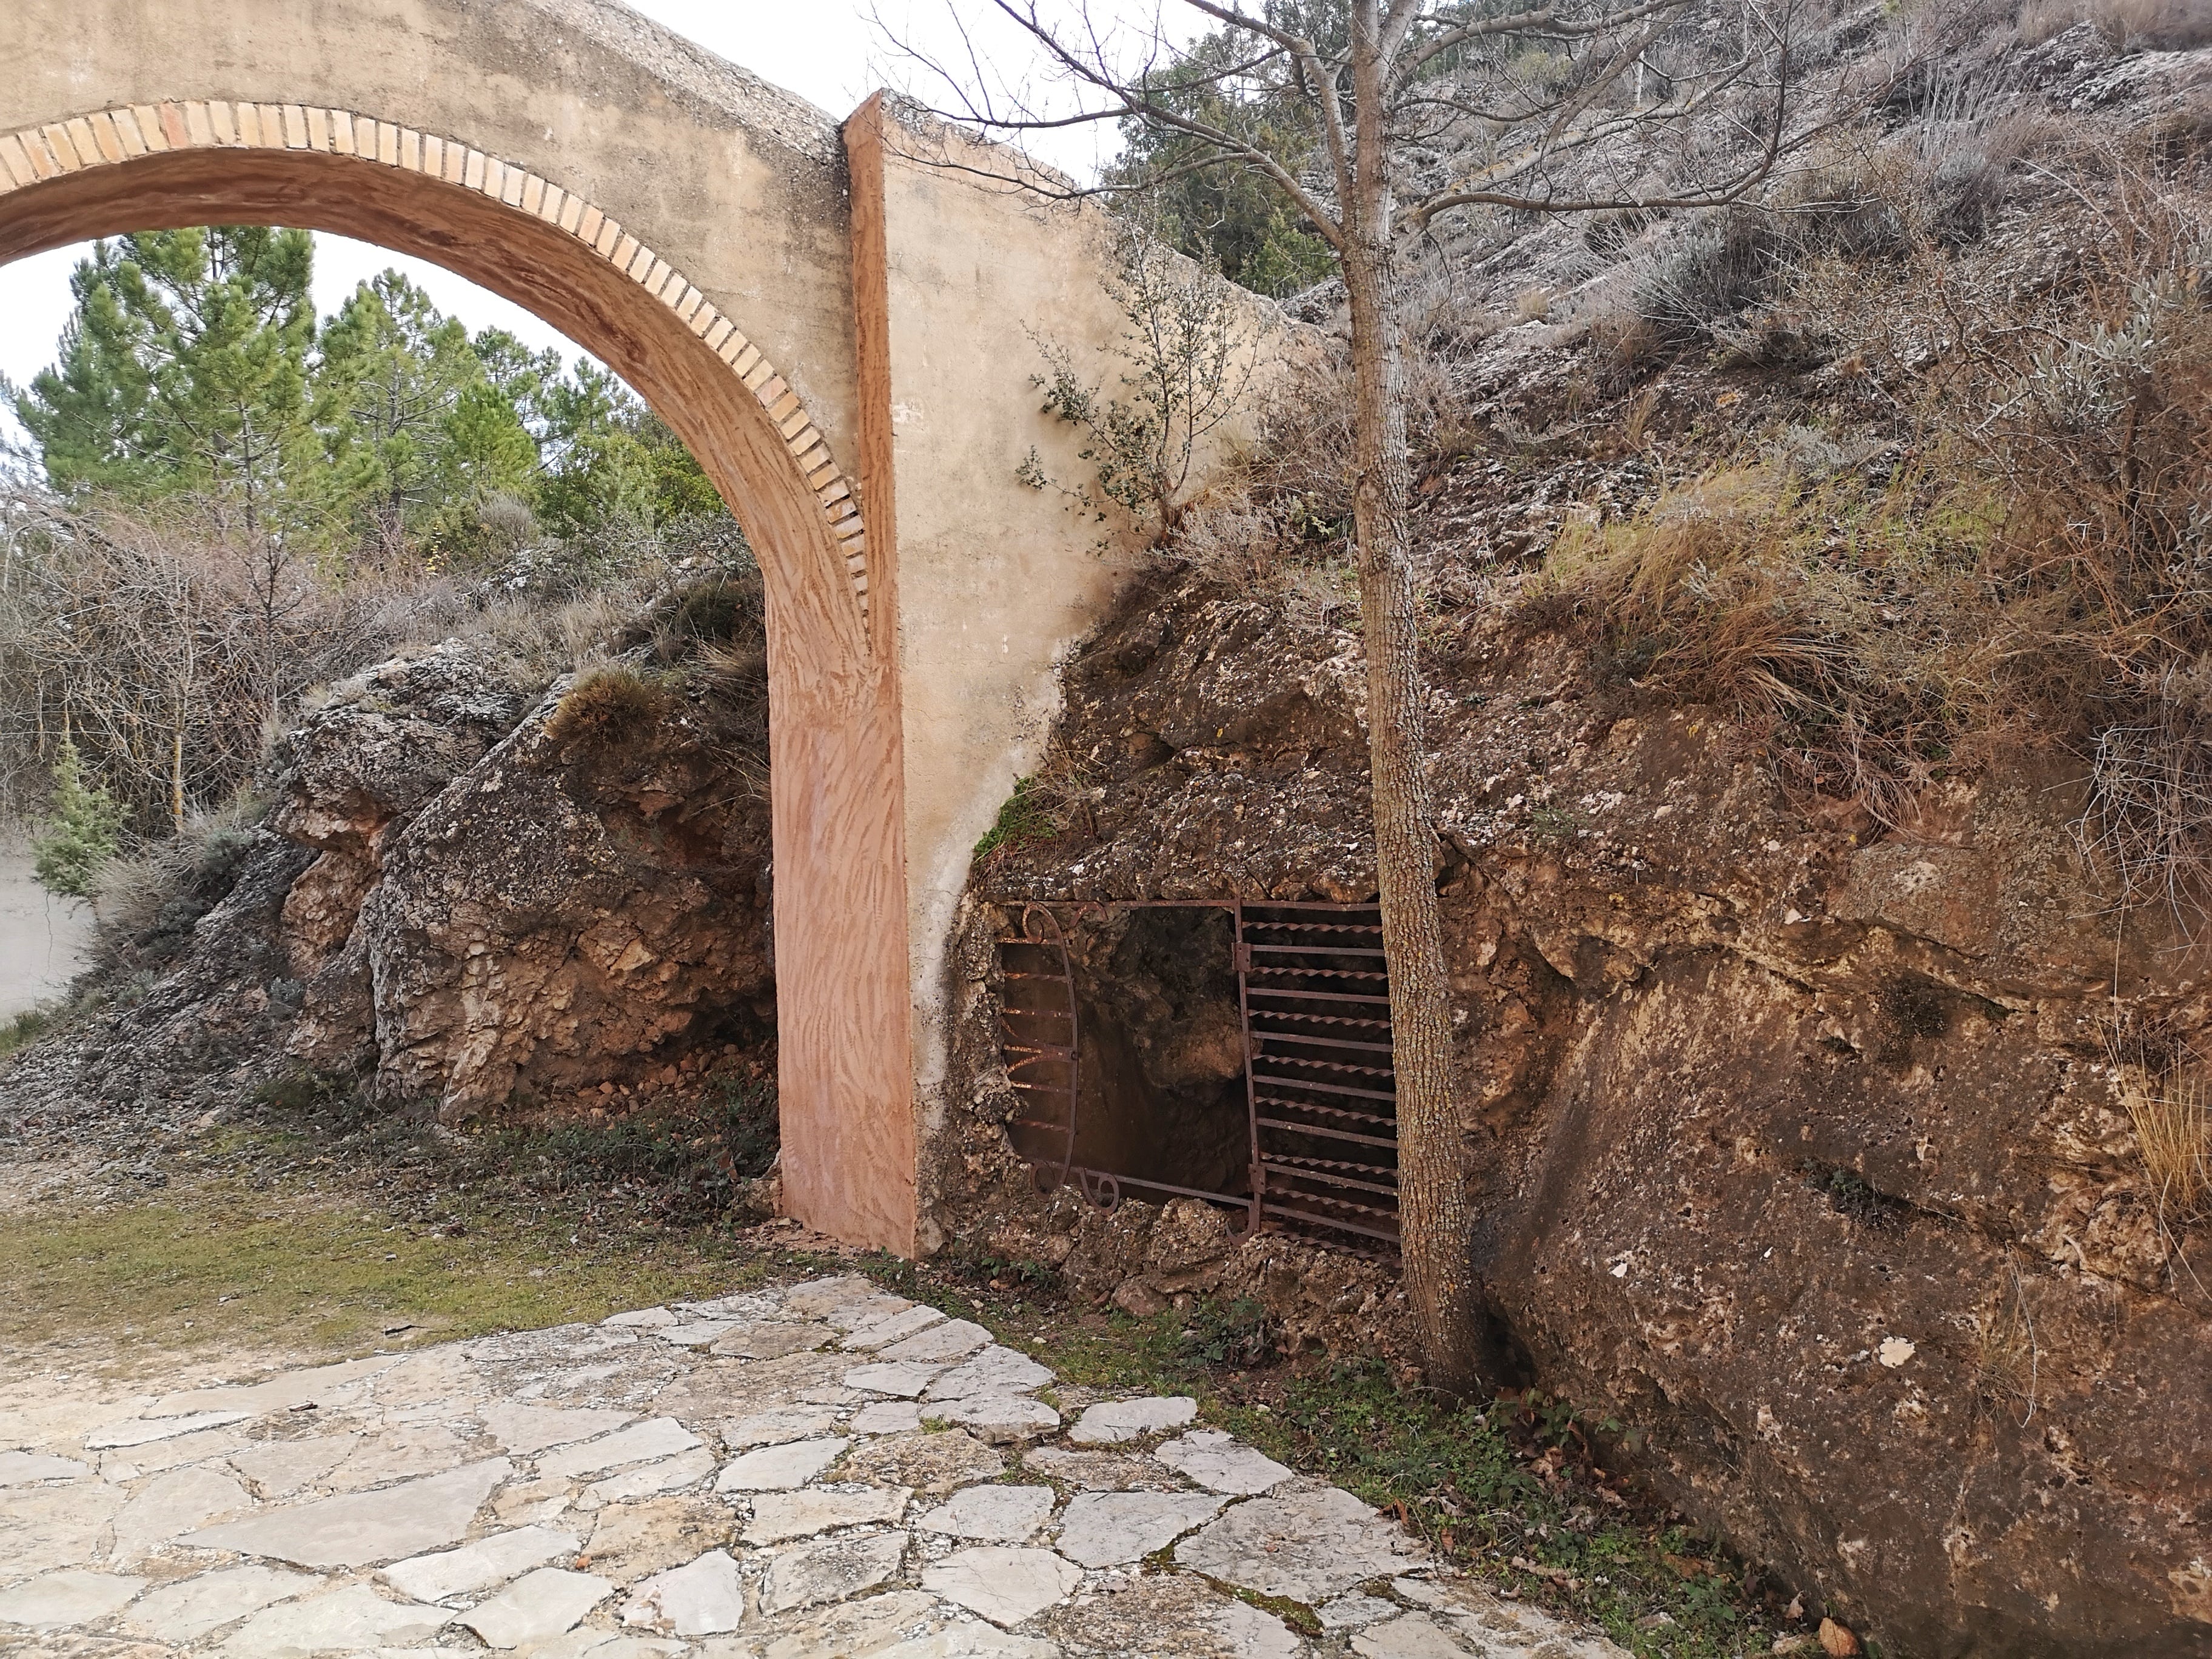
[466, 897]
[1829, 982]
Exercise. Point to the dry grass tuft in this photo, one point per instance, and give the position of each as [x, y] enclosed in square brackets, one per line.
[608, 706]
[1821, 612]
[2170, 1108]
[2127, 25]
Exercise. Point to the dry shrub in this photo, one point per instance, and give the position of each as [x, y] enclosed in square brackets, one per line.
[2037, 567]
[164, 644]
[2126, 25]
[2173, 1119]
[1780, 599]
[608, 706]
[2160, 1076]
[148, 904]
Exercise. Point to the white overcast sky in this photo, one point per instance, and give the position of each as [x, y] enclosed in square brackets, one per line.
[827, 51]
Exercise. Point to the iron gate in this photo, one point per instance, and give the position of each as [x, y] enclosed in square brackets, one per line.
[1314, 1002]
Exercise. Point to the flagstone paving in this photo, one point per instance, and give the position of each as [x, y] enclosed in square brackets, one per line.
[822, 1469]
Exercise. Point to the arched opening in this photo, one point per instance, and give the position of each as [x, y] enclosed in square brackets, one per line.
[839, 897]
[526, 238]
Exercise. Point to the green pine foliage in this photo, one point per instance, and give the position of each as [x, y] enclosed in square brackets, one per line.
[385, 436]
[1226, 212]
[82, 833]
[183, 368]
[241, 500]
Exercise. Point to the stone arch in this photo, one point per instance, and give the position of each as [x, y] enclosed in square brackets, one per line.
[829, 314]
[567, 234]
[138, 166]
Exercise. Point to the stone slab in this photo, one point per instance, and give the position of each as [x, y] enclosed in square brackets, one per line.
[971, 1641]
[145, 1431]
[1308, 1545]
[1417, 1636]
[73, 1597]
[856, 1312]
[1003, 1421]
[630, 1542]
[953, 1340]
[659, 1437]
[171, 1504]
[281, 1393]
[703, 1597]
[187, 1611]
[523, 1429]
[22, 1468]
[365, 1528]
[1004, 1585]
[1355, 1610]
[696, 1332]
[894, 1328]
[995, 1371]
[536, 1606]
[772, 1340]
[991, 1515]
[1099, 1471]
[780, 1468]
[815, 1296]
[277, 1468]
[351, 1620]
[478, 1566]
[1112, 1421]
[776, 1427]
[903, 1381]
[1111, 1529]
[938, 1464]
[778, 1515]
[1220, 1462]
[886, 1417]
[830, 1570]
[670, 1475]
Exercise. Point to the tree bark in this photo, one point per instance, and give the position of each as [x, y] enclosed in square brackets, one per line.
[1433, 1215]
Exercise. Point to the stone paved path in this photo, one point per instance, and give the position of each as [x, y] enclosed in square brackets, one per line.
[818, 1470]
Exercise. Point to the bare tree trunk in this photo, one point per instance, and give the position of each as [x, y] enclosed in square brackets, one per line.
[1432, 1169]
[176, 776]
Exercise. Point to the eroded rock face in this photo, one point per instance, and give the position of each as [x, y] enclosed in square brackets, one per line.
[1794, 1139]
[481, 907]
[563, 906]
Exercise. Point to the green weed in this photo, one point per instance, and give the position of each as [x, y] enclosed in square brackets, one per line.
[1023, 819]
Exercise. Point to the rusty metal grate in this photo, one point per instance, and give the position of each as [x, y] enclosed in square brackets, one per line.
[1316, 996]
[1314, 999]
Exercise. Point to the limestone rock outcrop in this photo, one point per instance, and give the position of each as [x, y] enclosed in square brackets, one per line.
[1802, 1143]
[473, 902]
[572, 905]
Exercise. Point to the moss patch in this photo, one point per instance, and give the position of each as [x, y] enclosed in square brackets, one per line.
[223, 1261]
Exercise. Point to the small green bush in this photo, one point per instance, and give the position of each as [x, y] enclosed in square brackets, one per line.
[1023, 819]
[83, 834]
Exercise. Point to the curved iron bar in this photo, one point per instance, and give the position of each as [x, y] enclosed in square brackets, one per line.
[1101, 1187]
[1056, 940]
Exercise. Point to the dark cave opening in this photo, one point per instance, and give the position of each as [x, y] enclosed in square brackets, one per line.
[1159, 1093]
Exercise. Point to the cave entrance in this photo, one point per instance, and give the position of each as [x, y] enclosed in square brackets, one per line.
[1235, 1053]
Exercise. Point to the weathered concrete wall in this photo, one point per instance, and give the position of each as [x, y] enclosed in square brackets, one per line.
[995, 580]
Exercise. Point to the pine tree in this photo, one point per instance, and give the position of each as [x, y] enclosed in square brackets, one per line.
[419, 434]
[83, 834]
[183, 368]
